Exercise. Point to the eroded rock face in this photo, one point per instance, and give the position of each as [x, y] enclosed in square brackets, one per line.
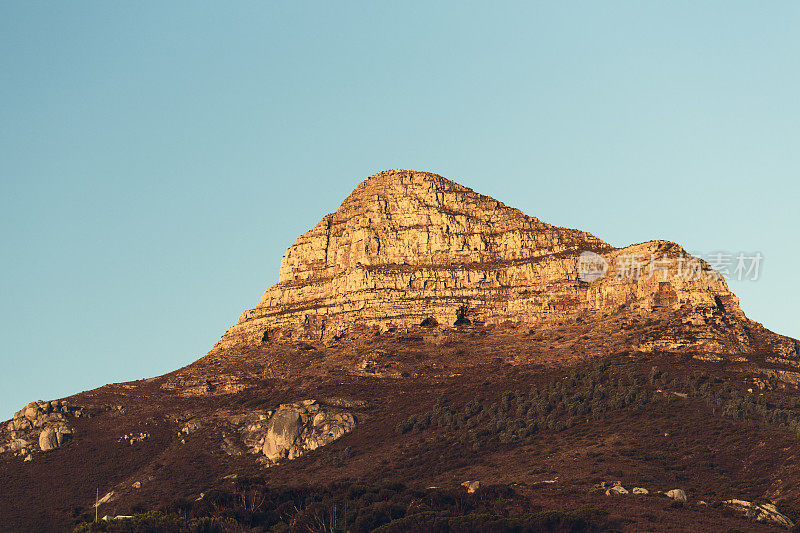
[405, 247]
[296, 428]
[409, 249]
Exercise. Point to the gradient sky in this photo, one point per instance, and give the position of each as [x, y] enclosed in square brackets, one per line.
[157, 158]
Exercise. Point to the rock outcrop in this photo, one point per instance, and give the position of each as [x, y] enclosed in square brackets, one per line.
[45, 423]
[296, 428]
[765, 513]
[616, 488]
[409, 248]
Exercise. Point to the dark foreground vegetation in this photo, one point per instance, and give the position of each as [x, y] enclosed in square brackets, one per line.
[252, 506]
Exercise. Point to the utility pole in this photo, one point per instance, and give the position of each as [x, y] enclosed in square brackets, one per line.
[339, 517]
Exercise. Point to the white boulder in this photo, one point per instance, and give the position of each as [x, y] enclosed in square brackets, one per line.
[676, 494]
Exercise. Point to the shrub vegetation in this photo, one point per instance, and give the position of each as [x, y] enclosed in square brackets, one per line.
[592, 392]
[356, 508]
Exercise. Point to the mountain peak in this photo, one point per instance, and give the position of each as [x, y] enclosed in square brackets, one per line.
[424, 191]
[408, 248]
[416, 177]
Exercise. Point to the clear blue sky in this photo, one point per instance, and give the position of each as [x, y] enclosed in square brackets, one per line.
[157, 158]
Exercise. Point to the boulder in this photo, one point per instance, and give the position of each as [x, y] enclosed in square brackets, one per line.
[676, 494]
[52, 437]
[48, 440]
[191, 427]
[640, 490]
[21, 424]
[294, 429]
[765, 513]
[284, 428]
[31, 411]
[63, 434]
[769, 514]
[19, 444]
[616, 489]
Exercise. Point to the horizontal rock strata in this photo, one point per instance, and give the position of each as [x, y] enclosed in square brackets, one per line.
[412, 248]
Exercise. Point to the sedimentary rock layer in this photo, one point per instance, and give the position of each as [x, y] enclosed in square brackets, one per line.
[409, 248]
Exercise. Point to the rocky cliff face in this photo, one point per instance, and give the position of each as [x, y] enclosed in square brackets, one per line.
[410, 248]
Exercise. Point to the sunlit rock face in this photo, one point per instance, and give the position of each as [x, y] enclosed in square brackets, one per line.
[408, 247]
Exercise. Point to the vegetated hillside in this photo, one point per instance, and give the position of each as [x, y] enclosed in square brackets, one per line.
[431, 359]
[540, 439]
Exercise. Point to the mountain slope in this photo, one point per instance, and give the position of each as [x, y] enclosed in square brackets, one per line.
[424, 335]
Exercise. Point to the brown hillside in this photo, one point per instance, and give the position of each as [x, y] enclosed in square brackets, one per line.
[443, 338]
